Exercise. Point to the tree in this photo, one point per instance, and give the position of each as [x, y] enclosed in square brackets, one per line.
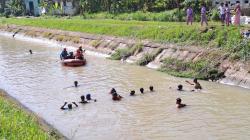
[2, 6]
[17, 7]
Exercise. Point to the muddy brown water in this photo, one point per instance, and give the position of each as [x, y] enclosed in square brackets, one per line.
[39, 82]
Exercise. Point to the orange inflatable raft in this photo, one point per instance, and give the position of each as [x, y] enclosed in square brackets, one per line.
[73, 62]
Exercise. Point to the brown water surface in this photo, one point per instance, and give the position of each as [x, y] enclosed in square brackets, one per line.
[39, 82]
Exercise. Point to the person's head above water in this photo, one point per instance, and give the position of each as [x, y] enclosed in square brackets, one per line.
[113, 91]
[132, 93]
[180, 87]
[70, 106]
[83, 98]
[76, 83]
[178, 101]
[30, 51]
[88, 97]
[142, 90]
[64, 49]
[151, 88]
[195, 80]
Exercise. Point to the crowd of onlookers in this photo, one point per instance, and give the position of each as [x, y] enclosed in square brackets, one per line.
[224, 11]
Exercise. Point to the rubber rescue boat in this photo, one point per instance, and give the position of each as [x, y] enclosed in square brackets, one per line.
[73, 62]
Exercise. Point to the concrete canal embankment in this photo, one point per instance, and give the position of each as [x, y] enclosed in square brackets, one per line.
[172, 58]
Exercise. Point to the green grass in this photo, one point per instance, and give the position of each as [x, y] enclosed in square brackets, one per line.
[15, 124]
[201, 69]
[175, 32]
[126, 52]
[164, 32]
[148, 57]
[171, 15]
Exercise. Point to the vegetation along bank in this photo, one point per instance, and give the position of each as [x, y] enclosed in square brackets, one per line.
[214, 52]
[17, 122]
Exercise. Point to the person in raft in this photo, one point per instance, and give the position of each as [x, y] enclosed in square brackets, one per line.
[189, 15]
[70, 106]
[196, 84]
[80, 49]
[179, 104]
[79, 55]
[227, 15]
[64, 54]
[203, 15]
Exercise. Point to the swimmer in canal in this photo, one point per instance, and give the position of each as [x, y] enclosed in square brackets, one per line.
[142, 90]
[83, 101]
[179, 104]
[180, 87]
[30, 51]
[116, 97]
[76, 83]
[151, 89]
[112, 91]
[88, 97]
[132, 93]
[15, 34]
[70, 106]
[196, 84]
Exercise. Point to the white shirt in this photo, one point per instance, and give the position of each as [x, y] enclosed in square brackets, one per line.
[222, 10]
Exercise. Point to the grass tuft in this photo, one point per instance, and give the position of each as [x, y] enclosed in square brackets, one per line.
[17, 124]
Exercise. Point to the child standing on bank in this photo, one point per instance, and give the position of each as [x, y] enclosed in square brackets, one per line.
[203, 15]
[189, 15]
[228, 15]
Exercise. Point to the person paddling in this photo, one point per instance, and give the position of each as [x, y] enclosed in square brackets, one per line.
[79, 53]
[64, 54]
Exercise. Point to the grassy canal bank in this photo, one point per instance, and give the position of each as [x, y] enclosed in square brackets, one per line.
[15, 123]
[214, 35]
[226, 42]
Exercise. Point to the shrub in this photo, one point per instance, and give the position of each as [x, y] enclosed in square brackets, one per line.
[148, 57]
[95, 43]
[145, 59]
[215, 16]
[201, 69]
[120, 53]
